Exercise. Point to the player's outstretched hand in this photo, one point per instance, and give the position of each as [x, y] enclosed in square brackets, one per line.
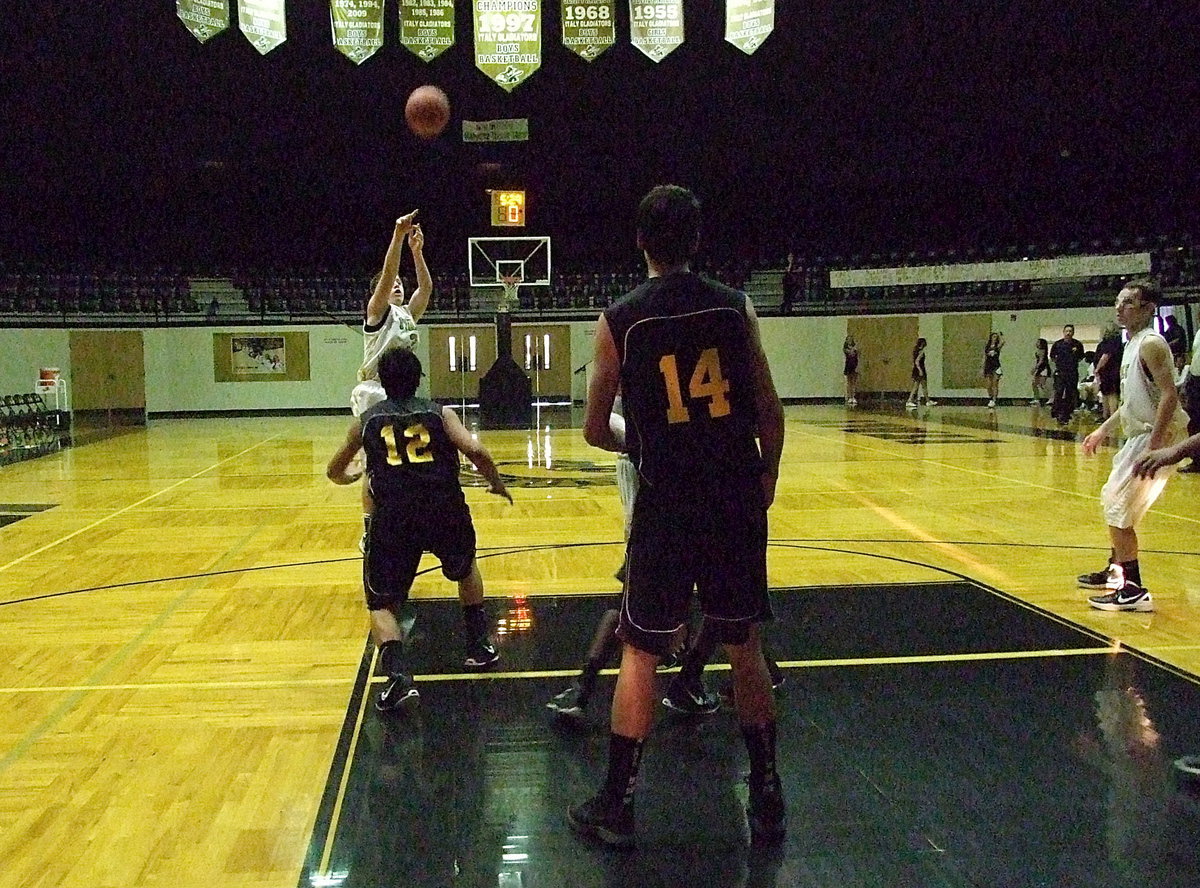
[501, 490]
[1091, 442]
[416, 238]
[405, 223]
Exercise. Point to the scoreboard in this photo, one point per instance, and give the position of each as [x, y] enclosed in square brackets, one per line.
[508, 209]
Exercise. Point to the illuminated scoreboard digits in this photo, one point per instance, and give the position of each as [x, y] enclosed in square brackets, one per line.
[508, 209]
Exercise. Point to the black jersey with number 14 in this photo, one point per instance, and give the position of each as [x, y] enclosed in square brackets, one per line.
[687, 382]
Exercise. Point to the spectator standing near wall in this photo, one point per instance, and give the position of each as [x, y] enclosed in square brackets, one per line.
[1065, 355]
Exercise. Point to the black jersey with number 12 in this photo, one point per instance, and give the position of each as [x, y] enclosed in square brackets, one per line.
[409, 455]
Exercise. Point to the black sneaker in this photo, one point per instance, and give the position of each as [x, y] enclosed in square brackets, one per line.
[398, 692]
[1130, 597]
[691, 699]
[766, 813]
[610, 823]
[481, 653]
[566, 705]
[1109, 578]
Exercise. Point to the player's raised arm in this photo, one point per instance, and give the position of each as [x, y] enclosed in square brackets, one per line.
[378, 304]
[768, 408]
[598, 429]
[475, 452]
[341, 459]
[420, 299]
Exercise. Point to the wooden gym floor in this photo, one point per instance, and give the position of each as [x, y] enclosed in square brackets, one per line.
[186, 682]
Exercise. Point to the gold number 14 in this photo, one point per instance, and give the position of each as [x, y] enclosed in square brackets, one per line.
[706, 382]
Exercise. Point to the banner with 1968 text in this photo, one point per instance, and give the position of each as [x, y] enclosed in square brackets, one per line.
[357, 27]
[427, 27]
[508, 40]
[204, 18]
[264, 22]
[656, 28]
[589, 26]
[748, 23]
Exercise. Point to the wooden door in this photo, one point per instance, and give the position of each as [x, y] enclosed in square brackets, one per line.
[885, 347]
[543, 351]
[108, 375]
[458, 358]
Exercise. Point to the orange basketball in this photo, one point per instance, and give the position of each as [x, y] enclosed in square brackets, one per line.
[427, 111]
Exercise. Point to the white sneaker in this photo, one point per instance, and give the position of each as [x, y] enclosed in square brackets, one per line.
[911, 405]
[991, 405]
[854, 402]
[929, 402]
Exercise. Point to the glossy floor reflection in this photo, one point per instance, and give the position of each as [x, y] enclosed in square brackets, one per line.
[966, 741]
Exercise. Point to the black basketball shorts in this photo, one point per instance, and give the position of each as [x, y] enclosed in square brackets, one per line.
[713, 544]
[399, 536]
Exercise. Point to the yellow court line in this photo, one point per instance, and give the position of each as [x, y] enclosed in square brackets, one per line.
[267, 684]
[123, 510]
[335, 817]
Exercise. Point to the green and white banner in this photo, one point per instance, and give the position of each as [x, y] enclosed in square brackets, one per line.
[508, 40]
[589, 26]
[427, 27]
[748, 23]
[357, 27]
[656, 28]
[514, 129]
[264, 22]
[204, 18]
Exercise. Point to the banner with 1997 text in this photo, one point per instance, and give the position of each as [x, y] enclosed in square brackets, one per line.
[508, 40]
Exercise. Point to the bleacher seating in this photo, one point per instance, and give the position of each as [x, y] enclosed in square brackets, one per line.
[28, 428]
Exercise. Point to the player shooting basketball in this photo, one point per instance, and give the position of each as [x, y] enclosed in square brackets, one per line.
[389, 321]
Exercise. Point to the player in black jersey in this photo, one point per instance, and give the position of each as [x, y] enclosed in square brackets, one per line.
[685, 354]
[412, 446]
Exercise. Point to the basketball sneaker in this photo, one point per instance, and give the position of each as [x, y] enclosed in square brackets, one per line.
[481, 653]
[610, 822]
[766, 812]
[1129, 597]
[398, 693]
[691, 699]
[566, 704]
[1109, 578]
[910, 405]
[929, 402]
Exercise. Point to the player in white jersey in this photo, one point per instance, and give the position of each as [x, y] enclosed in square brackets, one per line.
[389, 321]
[1150, 418]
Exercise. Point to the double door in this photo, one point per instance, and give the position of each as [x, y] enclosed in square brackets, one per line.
[460, 355]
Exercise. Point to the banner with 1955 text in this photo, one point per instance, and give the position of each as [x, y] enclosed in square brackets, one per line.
[656, 28]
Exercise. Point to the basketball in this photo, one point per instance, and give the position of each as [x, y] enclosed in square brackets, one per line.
[427, 111]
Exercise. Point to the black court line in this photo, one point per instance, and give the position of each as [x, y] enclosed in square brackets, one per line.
[961, 773]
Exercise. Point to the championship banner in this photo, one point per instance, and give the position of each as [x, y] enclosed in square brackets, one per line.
[748, 23]
[508, 40]
[357, 27]
[515, 129]
[589, 26]
[264, 22]
[427, 27]
[656, 28]
[204, 18]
